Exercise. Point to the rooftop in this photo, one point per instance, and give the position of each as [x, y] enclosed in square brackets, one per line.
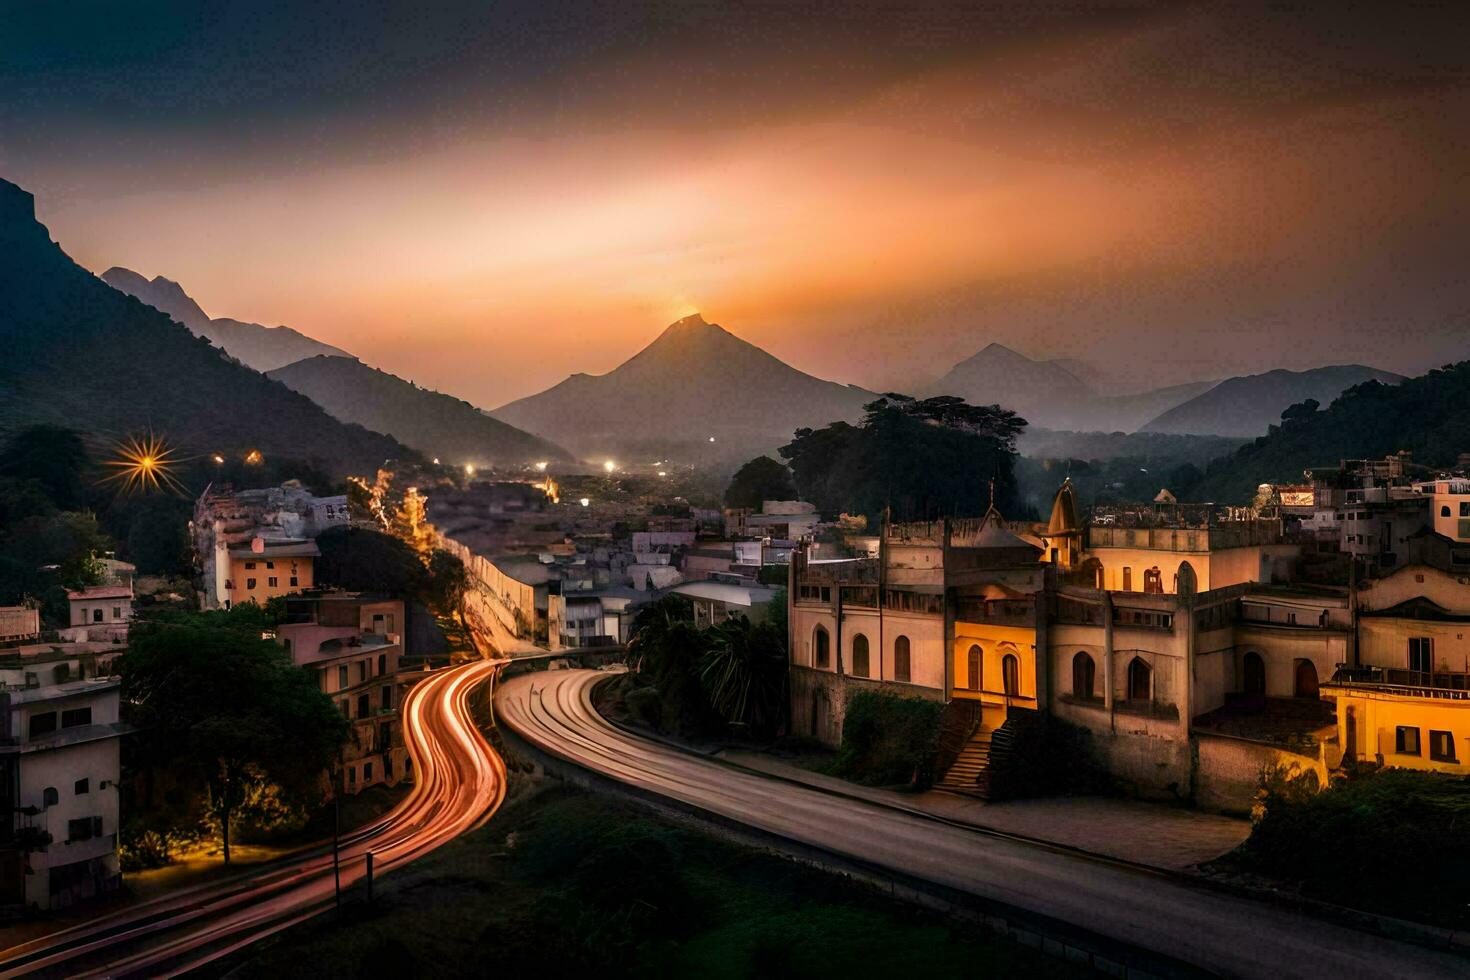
[101, 592]
[727, 592]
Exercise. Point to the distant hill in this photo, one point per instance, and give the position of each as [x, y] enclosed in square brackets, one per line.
[433, 423]
[1248, 406]
[81, 354]
[1425, 415]
[1053, 394]
[261, 347]
[696, 381]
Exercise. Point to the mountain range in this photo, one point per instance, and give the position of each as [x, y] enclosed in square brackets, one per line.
[1050, 395]
[83, 355]
[433, 423]
[695, 383]
[258, 346]
[1250, 405]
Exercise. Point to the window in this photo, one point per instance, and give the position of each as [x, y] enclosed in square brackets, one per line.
[270, 564]
[382, 664]
[1421, 653]
[367, 772]
[250, 566]
[364, 705]
[1153, 580]
[43, 723]
[387, 697]
[117, 612]
[1084, 675]
[342, 681]
[1445, 511]
[82, 787]
[1140, 680]
[272, 582]
[1464, 509]
[860, 655]
[822, 645]
[249, 584]
[84, 828]
[1406, 740]
[975, 669]
[387, 762]
[49, 796]
[901, 659]
[385, 736]
[362, 670]
[294, 583]
[1010, 675]
[96, 615]
[345, 707]
[1127, 579]
[1442, 746]
[351, 775]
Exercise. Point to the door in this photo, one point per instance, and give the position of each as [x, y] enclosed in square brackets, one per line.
[1010, 671]
[972, 669]
[1306, 679]
[1254, 681]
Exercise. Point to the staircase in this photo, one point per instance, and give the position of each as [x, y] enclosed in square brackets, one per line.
[970, 773]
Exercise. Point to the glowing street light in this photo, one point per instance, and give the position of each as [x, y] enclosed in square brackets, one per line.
[145, 464]
[585, 502]
[662, 473]
[711, 438]
[219, 460]
[254, 458]
[541, 466]
[609, 466]
[469, 469]
[436, 460]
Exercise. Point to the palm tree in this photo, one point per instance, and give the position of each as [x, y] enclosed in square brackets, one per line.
[743, 673]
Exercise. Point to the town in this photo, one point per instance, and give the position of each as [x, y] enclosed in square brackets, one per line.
[734, 490]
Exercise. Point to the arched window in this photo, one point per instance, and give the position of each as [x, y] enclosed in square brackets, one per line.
[822, 644]
[1140, 680]
[860, 655]
[901, 659]
[1253, 671]
[1444, 511]
[1185, 581]
[1153, 580]
[1084, 675]
[1306, 679]
[973, 667]
[49, 796]
[1010, 674]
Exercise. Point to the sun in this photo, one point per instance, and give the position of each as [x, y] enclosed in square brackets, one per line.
[144, 465]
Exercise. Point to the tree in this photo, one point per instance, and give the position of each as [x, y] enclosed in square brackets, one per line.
[743, 672]
[225, 711]
[363, 560]
[666, 647]
[919, 458]
[53, 457]
[758, 480]
[1300, 411]
[447, 581]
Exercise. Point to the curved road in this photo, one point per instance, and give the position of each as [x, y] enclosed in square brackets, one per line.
[1215, 931]
[459, 782]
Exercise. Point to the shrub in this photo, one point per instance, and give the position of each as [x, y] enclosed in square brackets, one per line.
[645, 705]
[888, 739]
[1393, 841]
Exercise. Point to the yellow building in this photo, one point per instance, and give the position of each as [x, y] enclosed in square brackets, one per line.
[1182, 548]
[1406, 702]
[263, 570]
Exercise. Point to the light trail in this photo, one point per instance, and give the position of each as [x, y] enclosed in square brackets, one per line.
[459, 782]
[1216, 931]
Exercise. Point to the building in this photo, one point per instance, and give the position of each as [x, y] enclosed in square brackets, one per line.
[718, 601]
[18, 623]
[254, 545]
[59, 766]
[1168, 547]
[353, 643]
[100, 612]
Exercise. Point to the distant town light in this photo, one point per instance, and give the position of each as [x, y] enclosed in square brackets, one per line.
[469, 469]
[585, 502]
[541, 466]
[662, 473]
[254, 458]
[219, 459]
[609, 466]
[436, 460]
[711, 438]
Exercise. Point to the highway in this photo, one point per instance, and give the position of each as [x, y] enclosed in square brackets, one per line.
[1216, 931]
[460, 781]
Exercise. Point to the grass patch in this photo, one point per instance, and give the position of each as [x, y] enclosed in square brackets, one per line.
[564, 882]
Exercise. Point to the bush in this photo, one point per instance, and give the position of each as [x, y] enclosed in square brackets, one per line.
[1393, 841]
[644, 704]
[888, 739]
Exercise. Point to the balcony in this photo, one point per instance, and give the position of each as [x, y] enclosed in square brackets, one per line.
[1446, 684]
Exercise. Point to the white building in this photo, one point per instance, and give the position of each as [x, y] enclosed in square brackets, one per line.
[59, 767]
[100, 613]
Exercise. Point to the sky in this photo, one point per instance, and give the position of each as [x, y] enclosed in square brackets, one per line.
[487, 197]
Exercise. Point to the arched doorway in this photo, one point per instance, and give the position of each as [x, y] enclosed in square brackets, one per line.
[1306, 679]
[1185, 580]
[1084, 675]
[860, 655]
[1253, 674]
[821, 647]
[973, 666]
[1140, 680]
[901, 659]
[1010, 674]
